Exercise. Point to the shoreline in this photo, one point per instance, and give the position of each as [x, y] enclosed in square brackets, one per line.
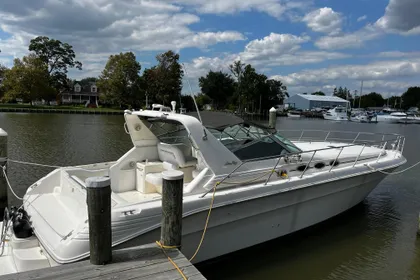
[87, 111]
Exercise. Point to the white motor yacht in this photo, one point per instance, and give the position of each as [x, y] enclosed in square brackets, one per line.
[336, 114]
[269, 186]
[363, 117]
[394, 117]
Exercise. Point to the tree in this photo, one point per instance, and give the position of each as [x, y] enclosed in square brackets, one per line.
[393, 101]
[202, 100]
[411, 98]
[3, 70]
[27, 79]
[164, 81]
[188, 102]
[87, 81]
[343, 93]
[58, 57]
[120, 80]
[372, 99]
[237, 70]
[218, 86]
[318, 93]
[276, 94]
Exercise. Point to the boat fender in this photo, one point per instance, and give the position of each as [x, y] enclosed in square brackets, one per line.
[21, 225]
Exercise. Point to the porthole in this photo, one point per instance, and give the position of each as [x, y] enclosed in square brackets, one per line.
[319, 165]
[301, 168]
[334, 163]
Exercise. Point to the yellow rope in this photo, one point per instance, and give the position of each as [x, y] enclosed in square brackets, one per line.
[163, 247]
[212, 203]
[207, 222]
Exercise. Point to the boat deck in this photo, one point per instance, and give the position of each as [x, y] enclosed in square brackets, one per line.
[142, 262]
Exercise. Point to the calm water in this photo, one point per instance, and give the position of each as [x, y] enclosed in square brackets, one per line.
[375, 240]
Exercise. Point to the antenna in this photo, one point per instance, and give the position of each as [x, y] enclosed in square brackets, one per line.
[195, 102]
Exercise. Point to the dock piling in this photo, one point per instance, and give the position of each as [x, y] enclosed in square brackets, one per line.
[3, 183]
[172, 193]
[99, 212]
[272, 118]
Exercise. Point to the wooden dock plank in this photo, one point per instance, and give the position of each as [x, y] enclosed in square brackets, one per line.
[142, 262]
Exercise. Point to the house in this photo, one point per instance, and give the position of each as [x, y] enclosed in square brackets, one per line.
[88, 95]
[308, 102]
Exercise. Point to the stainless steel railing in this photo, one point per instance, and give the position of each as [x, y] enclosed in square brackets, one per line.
[397, 145]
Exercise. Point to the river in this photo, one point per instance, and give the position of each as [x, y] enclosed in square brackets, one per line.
[375, 240]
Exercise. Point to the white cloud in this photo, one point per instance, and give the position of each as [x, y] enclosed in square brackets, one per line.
[104, 26]
[273, 45]
[380, 76]
[349, 40]
[396, 54]
[401, 16]
[270, 51]
[275, 8]
[324, 20]
[362, 18]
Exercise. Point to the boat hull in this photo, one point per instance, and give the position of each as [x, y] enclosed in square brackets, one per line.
[241, 225]
[335, 118]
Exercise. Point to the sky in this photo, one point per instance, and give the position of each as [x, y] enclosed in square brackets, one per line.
[309, 45]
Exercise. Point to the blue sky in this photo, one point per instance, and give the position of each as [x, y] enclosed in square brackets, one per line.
[309, 45]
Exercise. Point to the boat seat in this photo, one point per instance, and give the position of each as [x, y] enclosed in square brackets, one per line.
[155, 180]
[173, 154]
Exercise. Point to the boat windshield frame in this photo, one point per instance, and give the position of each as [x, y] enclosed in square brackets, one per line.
[239, 136]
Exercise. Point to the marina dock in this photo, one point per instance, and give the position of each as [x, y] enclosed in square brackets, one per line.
[142, 262]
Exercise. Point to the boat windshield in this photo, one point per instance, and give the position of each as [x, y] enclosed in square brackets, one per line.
[250, 142]
[168, 131]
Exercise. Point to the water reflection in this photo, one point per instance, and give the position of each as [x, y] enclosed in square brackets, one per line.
[340, 248]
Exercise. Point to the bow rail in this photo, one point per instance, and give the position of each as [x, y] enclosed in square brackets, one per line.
[385, 141]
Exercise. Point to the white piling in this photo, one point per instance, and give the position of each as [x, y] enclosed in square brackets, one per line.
[272, 118]
[3, 162]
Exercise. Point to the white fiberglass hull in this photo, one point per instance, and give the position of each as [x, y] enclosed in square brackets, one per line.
[335, 118]
[389, 119]
[241, 225]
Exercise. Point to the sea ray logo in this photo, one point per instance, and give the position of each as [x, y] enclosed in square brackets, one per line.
[231, 163]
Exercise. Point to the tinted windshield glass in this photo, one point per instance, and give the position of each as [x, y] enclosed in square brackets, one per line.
[250, 142]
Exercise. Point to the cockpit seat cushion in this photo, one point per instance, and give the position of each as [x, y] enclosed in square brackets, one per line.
[155, 179]
[169, 166]
[173, 154]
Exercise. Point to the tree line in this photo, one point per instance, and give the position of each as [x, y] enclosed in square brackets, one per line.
[42, 75]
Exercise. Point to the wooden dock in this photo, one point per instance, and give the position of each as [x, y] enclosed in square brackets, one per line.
[142, 262]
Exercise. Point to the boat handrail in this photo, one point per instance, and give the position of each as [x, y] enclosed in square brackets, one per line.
[397, 146]
[327, 133]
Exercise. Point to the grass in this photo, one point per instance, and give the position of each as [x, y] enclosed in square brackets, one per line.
[58, 107]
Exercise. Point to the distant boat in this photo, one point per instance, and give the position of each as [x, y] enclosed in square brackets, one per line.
[395, 117]
[336, 114]
[363, 117]
[294, 114]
